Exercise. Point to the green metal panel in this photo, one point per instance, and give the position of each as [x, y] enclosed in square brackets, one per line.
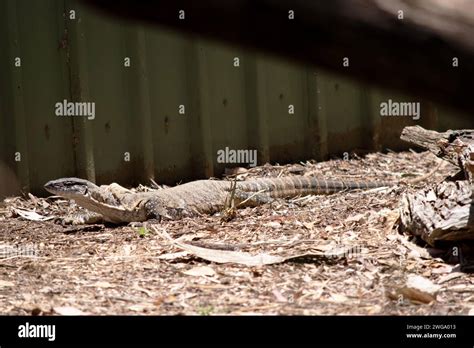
[138, 131]
[285, 89]
[30, 91]
[167, 57]
[342, 107]
[226, 98]
[449, 119]
[386, 130]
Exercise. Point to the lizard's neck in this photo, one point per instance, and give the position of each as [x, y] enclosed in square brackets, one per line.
[110, 213]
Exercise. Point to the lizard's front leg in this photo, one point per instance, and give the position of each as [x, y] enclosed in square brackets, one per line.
[83, 218]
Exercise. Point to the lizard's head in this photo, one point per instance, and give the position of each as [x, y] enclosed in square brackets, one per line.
[72, 188]
[105, 201]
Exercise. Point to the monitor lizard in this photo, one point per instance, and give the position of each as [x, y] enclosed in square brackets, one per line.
[116, 204]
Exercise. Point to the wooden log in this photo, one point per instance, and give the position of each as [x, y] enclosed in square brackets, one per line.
[455, 146]
[441, 212]
[426, 139]
[444, 213]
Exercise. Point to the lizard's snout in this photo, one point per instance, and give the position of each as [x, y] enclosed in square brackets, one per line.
[50, 186]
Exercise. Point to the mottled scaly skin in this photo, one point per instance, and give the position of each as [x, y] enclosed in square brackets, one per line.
[209, 196]
[117, 204]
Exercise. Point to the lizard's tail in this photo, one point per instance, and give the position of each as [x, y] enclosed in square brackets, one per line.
[293, 186]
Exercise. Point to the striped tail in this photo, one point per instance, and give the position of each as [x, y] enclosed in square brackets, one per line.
[292, 186]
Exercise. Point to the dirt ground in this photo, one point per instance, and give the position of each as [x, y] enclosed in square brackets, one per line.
[130, 270]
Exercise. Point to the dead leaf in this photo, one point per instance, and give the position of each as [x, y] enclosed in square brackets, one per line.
[422, 284]
[173, 256]
[211, 286]
[417, 296]
[443, 269]
[67, 310]
[6, 283]
[102, 284]
[272, 224]
[417, 289]
[426, 273]
[355, 218]
[413, 295]
[127, 249]
[229, 256]
[461, 288]
[416, 252]
[33, 198]
[339, 298]
[278, 295]
[449, 277]
[165, 300]
[192, 236]
[31, 215]
[138, 307]
[223, 256]
[328, 229]
[201, 271]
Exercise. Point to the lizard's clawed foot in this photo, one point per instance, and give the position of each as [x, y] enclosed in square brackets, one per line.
[80, 219]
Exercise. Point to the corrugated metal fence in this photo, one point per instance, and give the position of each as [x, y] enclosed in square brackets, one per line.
[164, 103]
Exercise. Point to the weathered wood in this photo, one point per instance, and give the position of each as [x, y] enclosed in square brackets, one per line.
[464, 154]
[441, 212]
[444, 212]
[455, 146]
[415, 54]
[426, 139]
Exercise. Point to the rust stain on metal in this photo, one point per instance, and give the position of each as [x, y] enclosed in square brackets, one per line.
[47, 131]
